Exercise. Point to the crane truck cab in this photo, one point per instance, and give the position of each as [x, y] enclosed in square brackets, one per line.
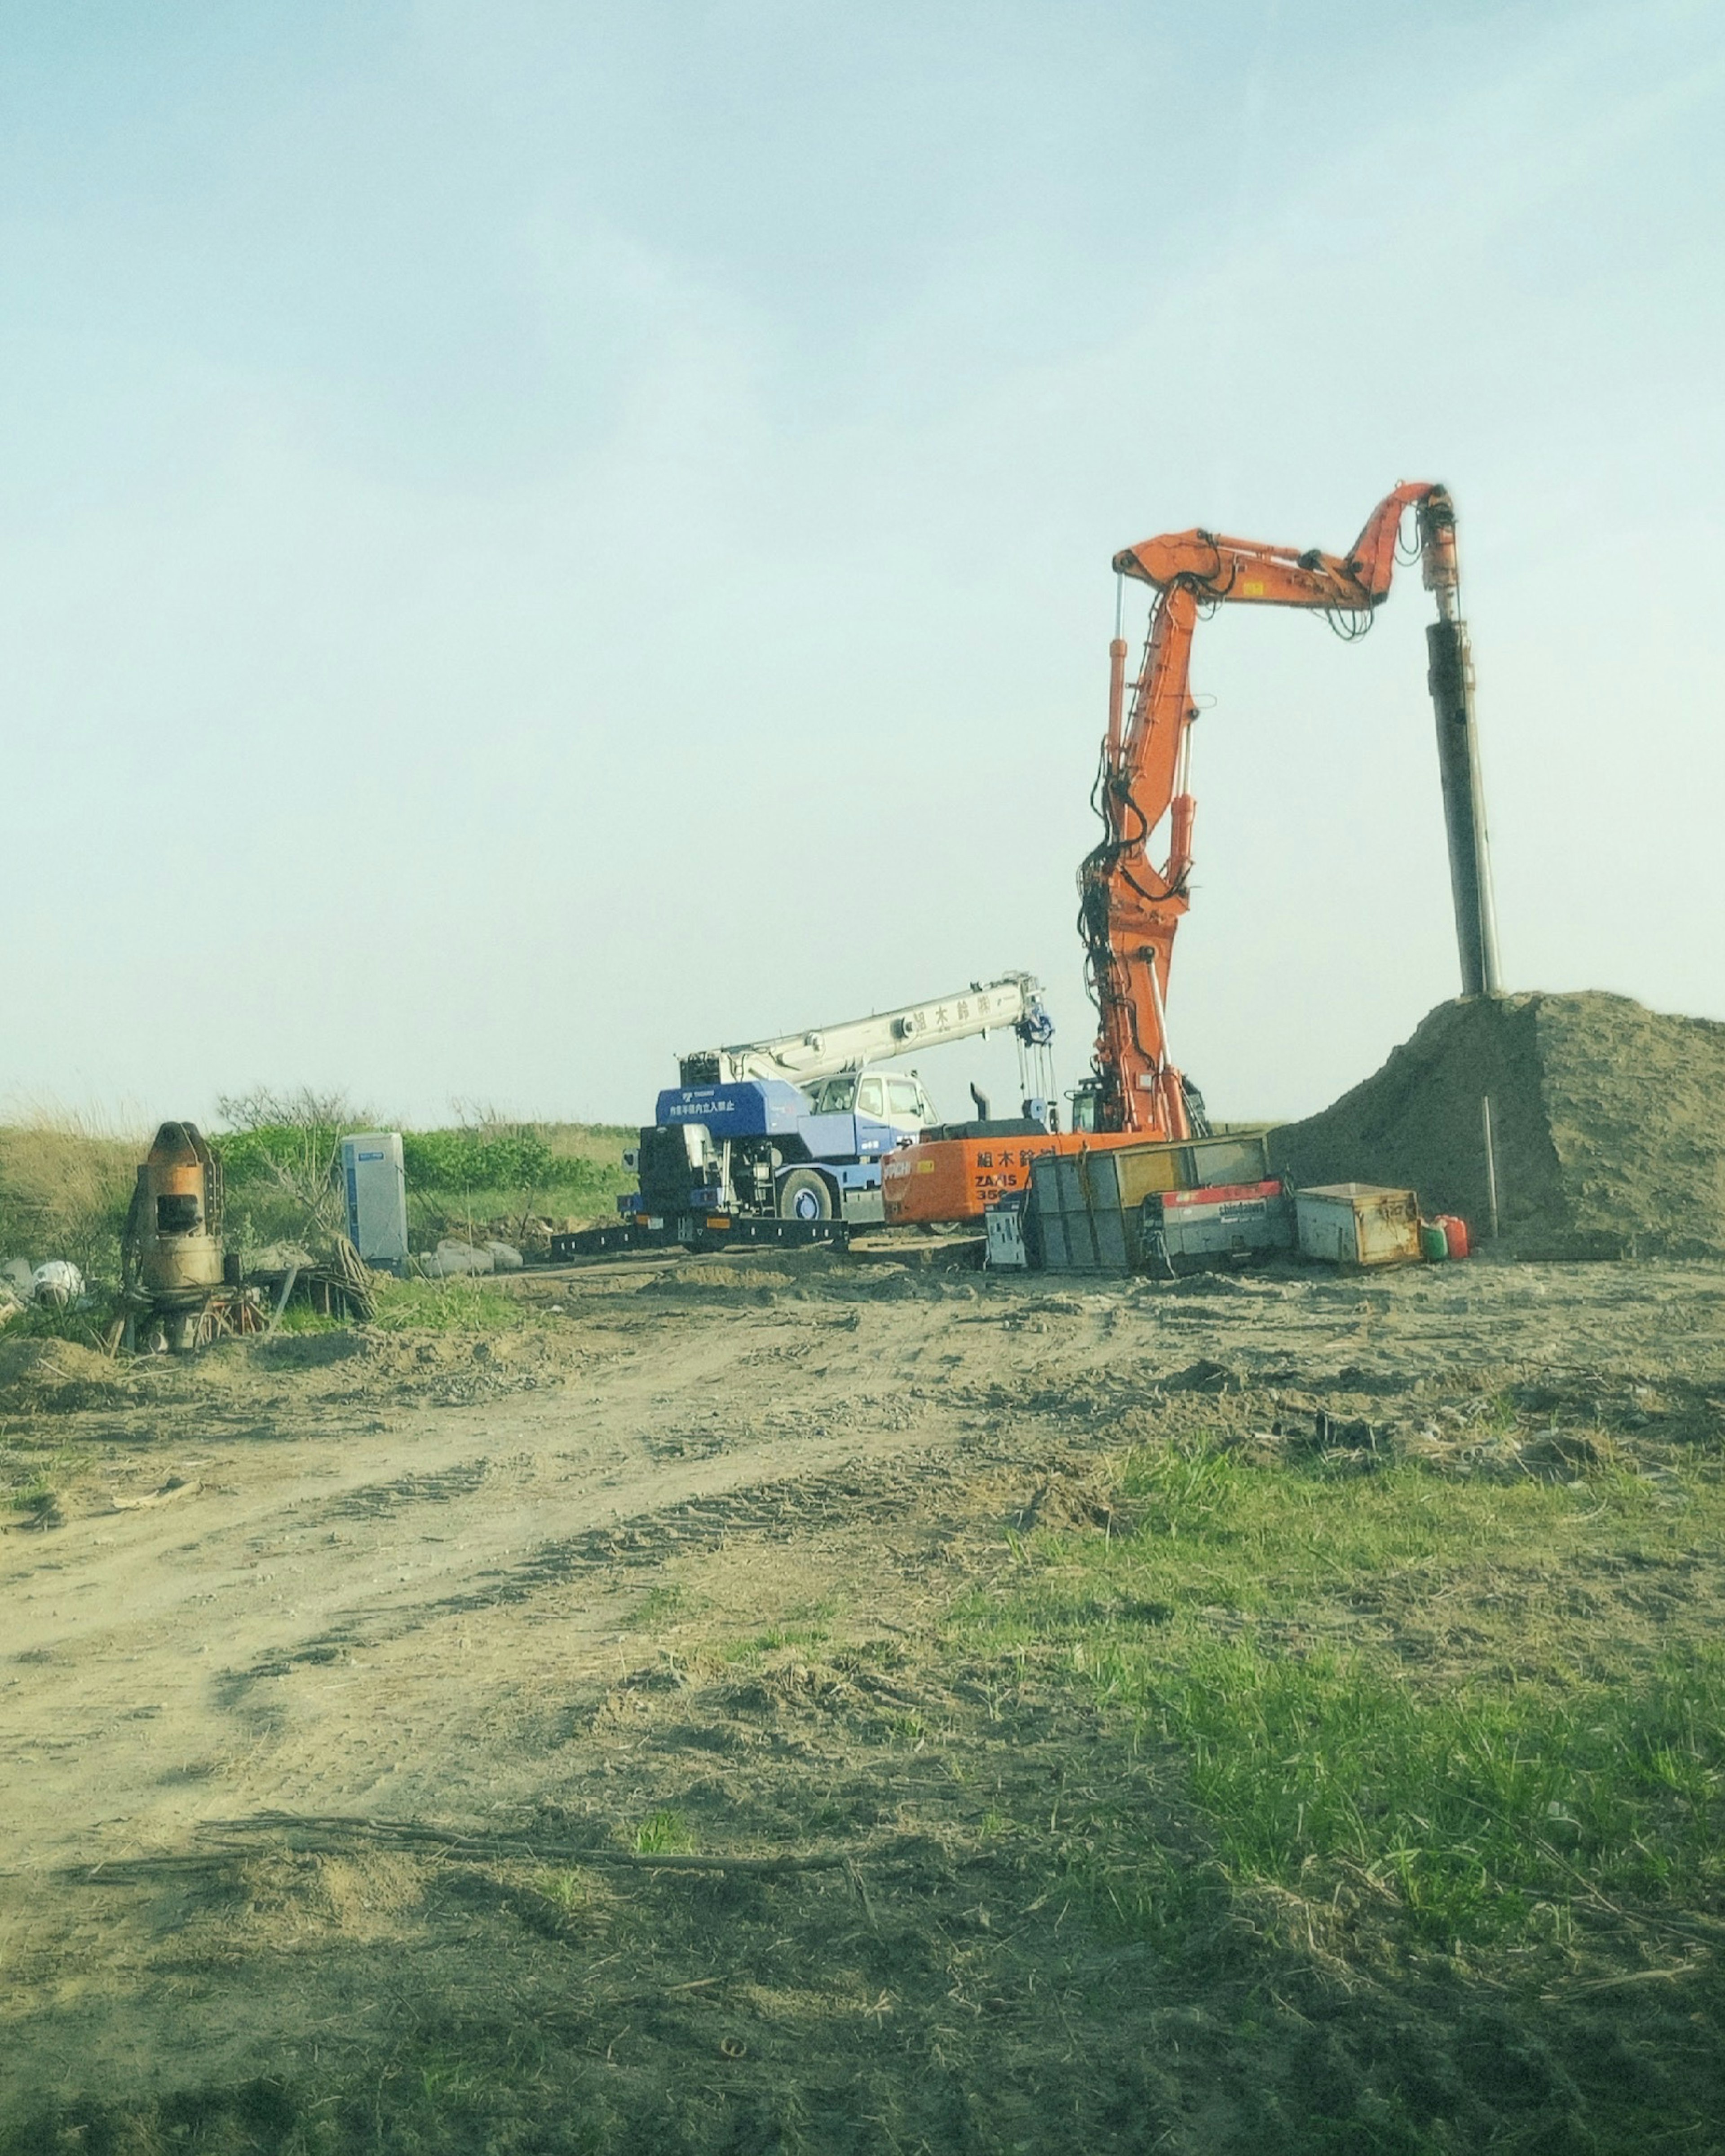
[888, 1097]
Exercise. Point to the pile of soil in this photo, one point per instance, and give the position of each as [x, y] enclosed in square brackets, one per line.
[57, 1375]
[1606, 1118]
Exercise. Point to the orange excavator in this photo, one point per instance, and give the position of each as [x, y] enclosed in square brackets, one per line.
[1130, 908]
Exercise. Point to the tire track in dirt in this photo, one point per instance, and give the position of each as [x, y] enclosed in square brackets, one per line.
[157, 1636]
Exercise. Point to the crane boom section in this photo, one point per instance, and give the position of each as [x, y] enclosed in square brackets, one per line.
[1131, 906]
[1013, 999]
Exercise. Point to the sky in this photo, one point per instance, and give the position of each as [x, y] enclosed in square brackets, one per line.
[536, 537]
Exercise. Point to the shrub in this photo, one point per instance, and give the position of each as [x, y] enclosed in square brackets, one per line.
[489, 1159]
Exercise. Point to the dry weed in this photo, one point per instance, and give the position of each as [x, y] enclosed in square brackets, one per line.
[65, 1182]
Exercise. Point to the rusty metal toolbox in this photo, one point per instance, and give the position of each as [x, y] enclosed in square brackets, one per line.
[1358, 1224]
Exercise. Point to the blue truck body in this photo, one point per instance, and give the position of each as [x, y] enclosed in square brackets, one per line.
[773, 1108]
[755, 1146]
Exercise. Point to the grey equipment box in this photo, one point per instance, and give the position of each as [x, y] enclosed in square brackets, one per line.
[1357, 1224]
[1003, 1225]
[377, 1186]
[1186, 1230]
[1079, 1228]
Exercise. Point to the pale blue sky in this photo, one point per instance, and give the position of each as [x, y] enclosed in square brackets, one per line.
[537, 537]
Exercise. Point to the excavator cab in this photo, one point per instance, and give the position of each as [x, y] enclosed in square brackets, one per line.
[1087, 1099]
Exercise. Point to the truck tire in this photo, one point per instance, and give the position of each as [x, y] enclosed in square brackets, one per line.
[804, 1195]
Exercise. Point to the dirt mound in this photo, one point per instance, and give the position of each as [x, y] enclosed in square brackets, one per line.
[56, 1374]
[1606, 1123]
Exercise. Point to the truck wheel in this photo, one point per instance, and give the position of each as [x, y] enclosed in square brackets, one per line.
[803, 1195]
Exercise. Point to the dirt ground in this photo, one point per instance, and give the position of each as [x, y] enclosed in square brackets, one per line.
[536, 1739]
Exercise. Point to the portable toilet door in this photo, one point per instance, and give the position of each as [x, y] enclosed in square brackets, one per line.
[377, 1186]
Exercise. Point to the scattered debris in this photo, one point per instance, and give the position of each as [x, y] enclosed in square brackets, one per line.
[175, 1486]
[452, 1260]
[57, 1284]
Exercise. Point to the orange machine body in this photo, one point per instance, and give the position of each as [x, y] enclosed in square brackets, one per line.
[960, 1179]
[172, 1245]
[1133, 884]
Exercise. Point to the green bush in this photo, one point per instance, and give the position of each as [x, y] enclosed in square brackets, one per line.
[478, 1159]
[488, 1159]
[259, 1155]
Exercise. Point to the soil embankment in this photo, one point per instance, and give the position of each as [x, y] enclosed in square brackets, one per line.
[1606, 1117]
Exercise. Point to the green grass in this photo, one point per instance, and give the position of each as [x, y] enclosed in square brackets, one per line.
[666, 1604]
[567, 1890]
[803, 1628]
[301, 1317]
[38, 1496]
[32, 1478]
[664, 1834]
[1479, 1779]
[458, 1305]
[435, 1210]
[475, 1180]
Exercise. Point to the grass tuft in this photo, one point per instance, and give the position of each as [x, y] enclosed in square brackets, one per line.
[569, 1891]
[665, 1604]
[664, 1834]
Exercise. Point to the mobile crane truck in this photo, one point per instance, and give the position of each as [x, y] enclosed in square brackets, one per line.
[782, 1141]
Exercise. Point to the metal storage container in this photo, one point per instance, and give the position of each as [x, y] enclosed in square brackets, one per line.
[1357, 1224]
[1079, 1225]
[1003, 1233]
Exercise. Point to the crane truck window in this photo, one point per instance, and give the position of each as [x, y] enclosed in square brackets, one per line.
[869, 1101]
[904, 1097]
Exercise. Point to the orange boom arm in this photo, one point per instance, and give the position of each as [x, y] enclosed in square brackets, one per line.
[1129, 909]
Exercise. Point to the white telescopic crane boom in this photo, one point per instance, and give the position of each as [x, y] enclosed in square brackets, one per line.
[1013, 999]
